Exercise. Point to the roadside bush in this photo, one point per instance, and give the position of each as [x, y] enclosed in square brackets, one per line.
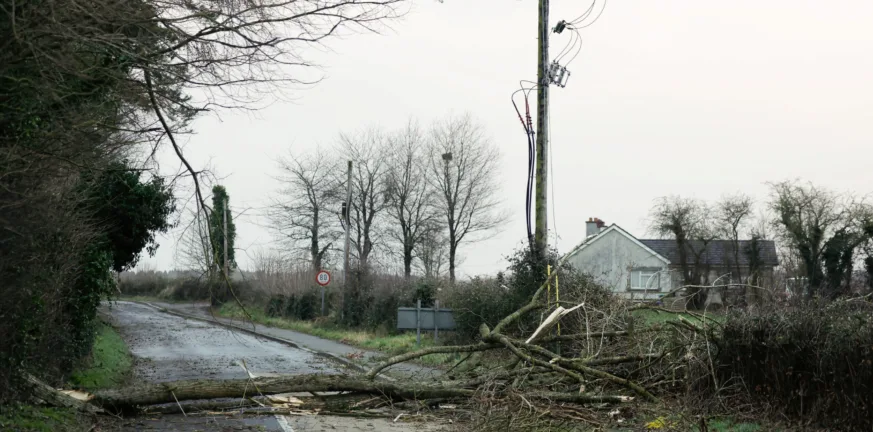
[424, 289]
[305, 306]
[276, 305]
[811, 362]
[142, 284]
[358, 297]
[189, 289]
[478, 301]
[383, 309]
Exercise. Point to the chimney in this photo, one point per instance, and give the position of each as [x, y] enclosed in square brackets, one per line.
[601, 225]
[592, 227]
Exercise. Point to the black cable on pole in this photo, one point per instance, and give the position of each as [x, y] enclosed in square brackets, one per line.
[530, 157]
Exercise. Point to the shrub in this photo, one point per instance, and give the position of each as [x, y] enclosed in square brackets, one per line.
[358, 297]
[305, 306]
[190, 289]
[476, 302]
[425, 289]
[276, 305]
[813, 361]
[142, 284]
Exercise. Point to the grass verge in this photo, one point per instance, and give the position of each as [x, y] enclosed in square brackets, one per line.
[28, 418]
[650, 317]
[108, 365]
[390, 344]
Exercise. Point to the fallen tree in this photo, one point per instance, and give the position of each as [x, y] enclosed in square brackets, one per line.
[178, 391]
[603, 357]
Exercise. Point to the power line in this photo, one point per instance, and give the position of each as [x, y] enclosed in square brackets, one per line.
[577, 21]
[584, 14]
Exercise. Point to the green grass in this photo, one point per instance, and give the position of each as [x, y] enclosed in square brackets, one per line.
[727, 425]
[108, 365]
[390, 344]
[27, 418]
[650, 317]
[713, 425]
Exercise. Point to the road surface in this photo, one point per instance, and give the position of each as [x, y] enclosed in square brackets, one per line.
[403, 371]
[167, 348]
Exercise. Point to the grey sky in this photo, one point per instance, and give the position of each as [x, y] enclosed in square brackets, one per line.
[697, 98]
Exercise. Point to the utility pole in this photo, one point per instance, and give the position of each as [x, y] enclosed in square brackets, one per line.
[348, 242]
[541, 234]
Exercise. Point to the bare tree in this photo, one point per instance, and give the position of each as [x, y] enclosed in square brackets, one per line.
[432, 250]
[193, 251]
[733, 214]
[302, 215]
[271, 271]
[409, 194]
[463, 168]
[367, 150]
[689, 222]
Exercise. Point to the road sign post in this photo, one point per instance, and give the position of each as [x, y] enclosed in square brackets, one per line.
[322, 278]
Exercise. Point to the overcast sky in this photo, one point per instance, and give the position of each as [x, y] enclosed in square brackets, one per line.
[688, 97]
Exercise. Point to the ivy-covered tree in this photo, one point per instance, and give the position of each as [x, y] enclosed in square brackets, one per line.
[129, 211]
[125, 213]
[825, 230]
[220, 209]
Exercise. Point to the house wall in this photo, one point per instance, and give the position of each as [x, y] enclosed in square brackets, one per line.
[611, 258]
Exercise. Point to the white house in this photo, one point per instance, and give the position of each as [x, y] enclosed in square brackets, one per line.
[647, 269]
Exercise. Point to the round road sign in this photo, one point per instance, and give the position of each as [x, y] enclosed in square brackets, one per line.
[322, 278]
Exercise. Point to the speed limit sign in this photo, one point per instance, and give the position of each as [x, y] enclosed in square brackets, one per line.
[322, 278]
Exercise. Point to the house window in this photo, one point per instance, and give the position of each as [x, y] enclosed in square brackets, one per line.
[645, 279]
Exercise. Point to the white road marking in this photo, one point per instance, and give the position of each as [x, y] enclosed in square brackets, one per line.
[283, 423]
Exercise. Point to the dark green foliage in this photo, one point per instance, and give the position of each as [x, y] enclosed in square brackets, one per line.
[358, 298]
[753, 253]
[371, 301]
[220, 203]
[276, 305]
[305, 306]
[837, 257]
[142, 284]
[52, 325]
[868, 266]
[425, 289]
[383, 310]
[813, 362]
[478, 301]
[192, 289]
[129, 211]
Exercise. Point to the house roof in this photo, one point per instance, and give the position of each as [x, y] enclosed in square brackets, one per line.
[717, 252]
[585, 243]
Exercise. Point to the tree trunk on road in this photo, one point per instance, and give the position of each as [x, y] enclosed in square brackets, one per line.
[161, 393]
[157, 393]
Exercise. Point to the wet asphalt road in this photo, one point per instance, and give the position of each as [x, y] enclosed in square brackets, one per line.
[167, 348]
